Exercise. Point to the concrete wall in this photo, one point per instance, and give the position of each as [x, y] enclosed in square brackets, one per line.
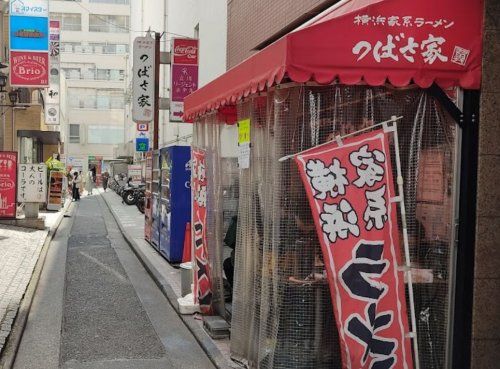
[252, 22]
[486, 311]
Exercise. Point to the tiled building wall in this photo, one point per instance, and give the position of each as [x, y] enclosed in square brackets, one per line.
[486, 308]
[250, 22]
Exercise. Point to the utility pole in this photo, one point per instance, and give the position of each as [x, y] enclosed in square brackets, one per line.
[156, 118]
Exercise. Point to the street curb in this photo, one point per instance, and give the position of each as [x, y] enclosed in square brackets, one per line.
[16, 334]
[201, 337]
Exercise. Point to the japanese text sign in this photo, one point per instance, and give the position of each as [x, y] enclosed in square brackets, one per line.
[244, 144]
[32, 183]
[8, 184]
[350, 192]
[143, 80]
[30, 8]
[184, 75]
[202, 286]
[52, 93]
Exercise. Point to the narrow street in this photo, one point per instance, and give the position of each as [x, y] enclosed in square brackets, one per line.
[96, 306]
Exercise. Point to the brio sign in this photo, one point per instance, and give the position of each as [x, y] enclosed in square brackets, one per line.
[29, 69]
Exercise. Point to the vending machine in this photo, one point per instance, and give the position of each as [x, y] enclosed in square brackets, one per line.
[148, 209]
[155, 201]
[175, 200]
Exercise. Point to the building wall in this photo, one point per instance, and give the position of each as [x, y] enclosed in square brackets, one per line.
[252, 22]
[80, 57]
[486, 311]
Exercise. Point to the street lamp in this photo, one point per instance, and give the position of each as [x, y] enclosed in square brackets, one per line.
[13, 95]
[3, 81]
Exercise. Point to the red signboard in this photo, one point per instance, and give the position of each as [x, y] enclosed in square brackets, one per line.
[185, 51]
[8, 184]
[202, 287]
[351, 191]
[29, 69]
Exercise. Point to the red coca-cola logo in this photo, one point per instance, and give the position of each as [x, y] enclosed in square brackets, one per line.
[186, 52]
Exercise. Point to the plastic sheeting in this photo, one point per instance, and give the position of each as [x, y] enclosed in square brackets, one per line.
[282, 312]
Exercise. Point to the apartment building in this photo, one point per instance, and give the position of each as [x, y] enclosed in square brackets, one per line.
[94, 60]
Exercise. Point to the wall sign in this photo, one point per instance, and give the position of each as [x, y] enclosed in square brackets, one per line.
[350, 188]
[52, 93]
[32, 183]
[29, 33]
[143, 80]
[244, 144]
[30, 8]
[8, 184]
[29, 69]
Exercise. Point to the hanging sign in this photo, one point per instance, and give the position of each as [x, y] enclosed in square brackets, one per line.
[29, 33]
[52, 93]
[30, 8]
[244, 144]
[142, 144]
[350, 188]
[143, 80]
[143, 127]
[183, 74]
[8, 184]
[202, 286]
[32, 183]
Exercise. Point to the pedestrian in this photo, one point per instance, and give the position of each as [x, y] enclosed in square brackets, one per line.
[94, 174]
[76, 186]
[80, 188]
[89, 183]
[105, 178]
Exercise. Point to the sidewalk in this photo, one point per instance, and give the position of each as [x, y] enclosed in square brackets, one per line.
[20, 249]
[168, 278]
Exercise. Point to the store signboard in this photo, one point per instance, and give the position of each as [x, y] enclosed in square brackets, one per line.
[29, 33]
[143, 80]
[350, 190]
[32, 183]
[135, 172]
[244, 144]
[183, 74]
[52, 93]
[29, 69]
[30, 8]
[142, 144]
[8, 184]
[56, 190]
[202, 287]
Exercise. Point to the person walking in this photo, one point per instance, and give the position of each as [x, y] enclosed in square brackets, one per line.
[105, 179]
[89, 184]
[80, 187]
[76, 186]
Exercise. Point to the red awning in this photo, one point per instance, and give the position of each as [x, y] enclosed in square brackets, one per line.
[363, 41]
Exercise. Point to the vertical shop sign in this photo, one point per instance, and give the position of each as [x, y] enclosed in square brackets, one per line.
[184, 74]
[29, 43]
[52, 93]
[143, 80]
[202, 285]
[244, 144]
[32, 183]
[8, 184]
[351, 195]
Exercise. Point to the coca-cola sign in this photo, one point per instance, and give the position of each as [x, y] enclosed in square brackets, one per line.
[29, 69]
[185, 51]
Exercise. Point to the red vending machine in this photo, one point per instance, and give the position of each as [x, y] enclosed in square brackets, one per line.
[148, 209]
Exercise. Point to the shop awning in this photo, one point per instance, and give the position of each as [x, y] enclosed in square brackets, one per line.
[363, 41]
[45, 137]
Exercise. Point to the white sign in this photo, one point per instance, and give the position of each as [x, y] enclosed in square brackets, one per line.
[30, 8]
[53, 93]
[75, 163]
[52, 114]
[135, 172]
[32, 183]
[143, 80]
[244, 155]
[176, 111]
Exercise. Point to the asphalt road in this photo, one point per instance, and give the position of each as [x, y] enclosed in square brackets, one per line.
[96, 306]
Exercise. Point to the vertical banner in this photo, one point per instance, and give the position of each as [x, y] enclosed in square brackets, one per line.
[350, 187]
[29, 43]
[184, 74]
[52, 94]
[143, 80]
[244, 144]
[8, 184]
[202, 287]
[32, 183]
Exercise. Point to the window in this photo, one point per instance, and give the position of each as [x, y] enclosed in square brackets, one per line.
[102, 134]
[103, 48]
[69, 21]
[71, 73]
[110, 74]
[123, 2]
[108, 23]
[74, 133]
[100, 99]
[70, 47]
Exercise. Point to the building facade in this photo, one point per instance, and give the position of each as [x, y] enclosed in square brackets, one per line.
[252, 25]
[94, 60]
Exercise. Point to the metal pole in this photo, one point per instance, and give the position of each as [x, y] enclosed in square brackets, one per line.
[156, 125]
[13, 128]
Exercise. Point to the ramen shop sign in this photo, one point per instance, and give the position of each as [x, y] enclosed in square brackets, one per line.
[29, 68]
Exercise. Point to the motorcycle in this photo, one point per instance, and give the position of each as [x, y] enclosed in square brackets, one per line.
[131, 194]
[141, 198]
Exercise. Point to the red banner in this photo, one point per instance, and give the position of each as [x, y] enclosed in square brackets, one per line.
[29, 69]
[8, 184]
[202, 286]
[185, 51]
[350, 187]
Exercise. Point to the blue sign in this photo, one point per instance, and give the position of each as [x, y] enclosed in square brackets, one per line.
[29, 33]
[141, 144]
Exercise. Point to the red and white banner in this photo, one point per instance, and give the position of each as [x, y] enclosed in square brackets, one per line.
[350, 188]
[8, 184]
[202, 286]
